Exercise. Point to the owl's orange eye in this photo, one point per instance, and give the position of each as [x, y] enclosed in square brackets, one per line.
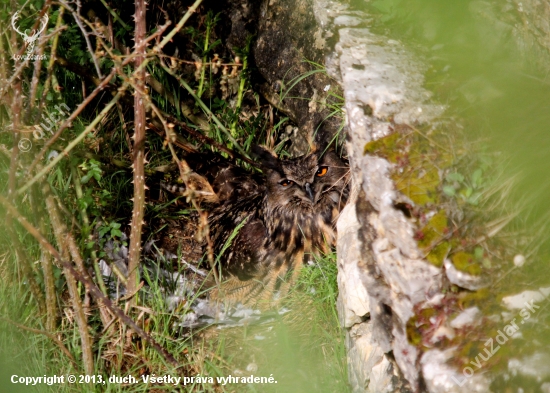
[322, 171]
[286, 182]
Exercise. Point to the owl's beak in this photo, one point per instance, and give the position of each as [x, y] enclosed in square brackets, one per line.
[308, 191]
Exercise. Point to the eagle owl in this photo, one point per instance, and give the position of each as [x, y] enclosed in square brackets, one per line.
[265, 227]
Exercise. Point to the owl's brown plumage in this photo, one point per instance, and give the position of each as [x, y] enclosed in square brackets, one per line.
[264, 226]
[281, 217]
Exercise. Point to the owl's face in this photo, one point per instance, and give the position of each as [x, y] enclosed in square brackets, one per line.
[303, 198]
[306, 184]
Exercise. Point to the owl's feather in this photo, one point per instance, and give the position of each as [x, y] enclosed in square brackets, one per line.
[290, 213]
[283, 216]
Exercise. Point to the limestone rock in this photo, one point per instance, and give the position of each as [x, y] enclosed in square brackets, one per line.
[353, 296]
[463, 279]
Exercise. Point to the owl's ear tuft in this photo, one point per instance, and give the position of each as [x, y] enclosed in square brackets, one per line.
[266, 158]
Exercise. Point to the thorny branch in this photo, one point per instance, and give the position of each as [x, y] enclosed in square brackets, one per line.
[83, 277]
[16, 107]
[138, 151]
[67, 123]
[65, 241]
[67, 246]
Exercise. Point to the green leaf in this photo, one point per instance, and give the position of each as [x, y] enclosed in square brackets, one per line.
[478, 252]
[449, 190]
[103, 231]
[455, 177]
[86, 178]
[476, 178]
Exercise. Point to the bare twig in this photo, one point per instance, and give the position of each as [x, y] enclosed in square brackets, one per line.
[178, 27]
[87, 229]
[46, 261]
[90, 286]
[185, 172]
[178, 140]
[206, 109]
[77, 17]
[78, 70]
[186, 110]
[115, 16]
[16, 107]
[67, 123]
[67, 245]
[53, 52]
[75, 141]
[6, 87]
[199, 63]
[36, 74]
[150, 80]
[202, 138]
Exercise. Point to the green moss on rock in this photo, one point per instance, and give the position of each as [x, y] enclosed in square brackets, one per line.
[438, 253]
[386, 147]
[419, 184]
[466, 262]
[431, 239]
